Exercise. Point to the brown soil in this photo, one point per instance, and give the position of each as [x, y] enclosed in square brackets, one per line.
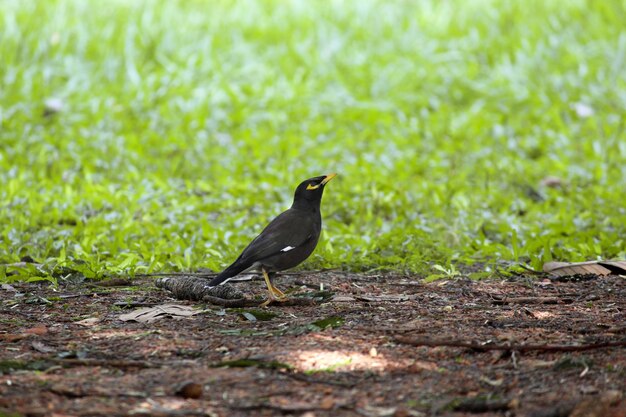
[363, 364]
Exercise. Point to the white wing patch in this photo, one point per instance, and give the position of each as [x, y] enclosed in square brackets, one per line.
[287, 248]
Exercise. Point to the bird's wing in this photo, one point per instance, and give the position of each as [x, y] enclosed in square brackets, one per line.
[285, 233]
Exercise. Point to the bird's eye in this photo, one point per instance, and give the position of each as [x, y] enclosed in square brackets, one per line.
[312, 186]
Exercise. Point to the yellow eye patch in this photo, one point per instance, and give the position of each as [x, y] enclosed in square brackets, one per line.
[312, 187]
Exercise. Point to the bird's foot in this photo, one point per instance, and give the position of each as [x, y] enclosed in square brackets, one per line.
[273, 298]
[277, 293]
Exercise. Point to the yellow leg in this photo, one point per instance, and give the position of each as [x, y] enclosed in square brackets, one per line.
[278, 292]
[274, 293]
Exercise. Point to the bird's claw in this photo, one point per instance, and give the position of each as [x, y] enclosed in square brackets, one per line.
[273, 298]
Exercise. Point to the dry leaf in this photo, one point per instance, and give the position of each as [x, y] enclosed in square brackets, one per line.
[41, 347]
[90, 321]
[150, 314]
[38, 330]
[342, 299]
[12, 337]
[600, 268]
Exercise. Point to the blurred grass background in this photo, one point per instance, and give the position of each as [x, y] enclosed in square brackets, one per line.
[174, 130]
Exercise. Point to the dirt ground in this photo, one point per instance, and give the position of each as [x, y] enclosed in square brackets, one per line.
[66, 352]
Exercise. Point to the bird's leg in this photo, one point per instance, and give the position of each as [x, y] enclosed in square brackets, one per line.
[275, 290]
[274, 293]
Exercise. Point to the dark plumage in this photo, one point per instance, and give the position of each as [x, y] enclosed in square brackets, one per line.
[287, 241]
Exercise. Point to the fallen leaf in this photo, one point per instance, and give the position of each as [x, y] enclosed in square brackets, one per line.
[12, 337]
[256, 314]
[342, 299]
[90, 321]
[374, 411]
[248, 316]
[41, 347]
[327, 403]
[492, 382]
[599, 268]
[419, 366]
[331, 321]
[150, 314]
[38, 330]
[536, 363]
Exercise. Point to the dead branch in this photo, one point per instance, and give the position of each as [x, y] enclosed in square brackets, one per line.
[239, 302]
[195, 289]
[511, 346]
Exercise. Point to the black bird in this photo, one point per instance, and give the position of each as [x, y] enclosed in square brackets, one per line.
[287, 241]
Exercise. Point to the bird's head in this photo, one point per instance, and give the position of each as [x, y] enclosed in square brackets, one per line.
[309, 192]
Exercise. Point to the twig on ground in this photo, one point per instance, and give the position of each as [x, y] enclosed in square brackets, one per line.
[510, 346]
[192, 288]
[196, 289]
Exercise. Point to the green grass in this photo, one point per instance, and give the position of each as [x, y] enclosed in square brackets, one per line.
[186, 126]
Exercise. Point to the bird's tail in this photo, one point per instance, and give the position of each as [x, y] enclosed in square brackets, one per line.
[235, 269]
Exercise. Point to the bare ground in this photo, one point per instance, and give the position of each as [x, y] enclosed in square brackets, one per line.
[364, 363]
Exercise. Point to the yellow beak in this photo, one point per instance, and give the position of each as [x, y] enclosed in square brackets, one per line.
[328, 178]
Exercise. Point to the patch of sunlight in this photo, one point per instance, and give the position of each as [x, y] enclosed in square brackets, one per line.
[329, 361]
[542, 315]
